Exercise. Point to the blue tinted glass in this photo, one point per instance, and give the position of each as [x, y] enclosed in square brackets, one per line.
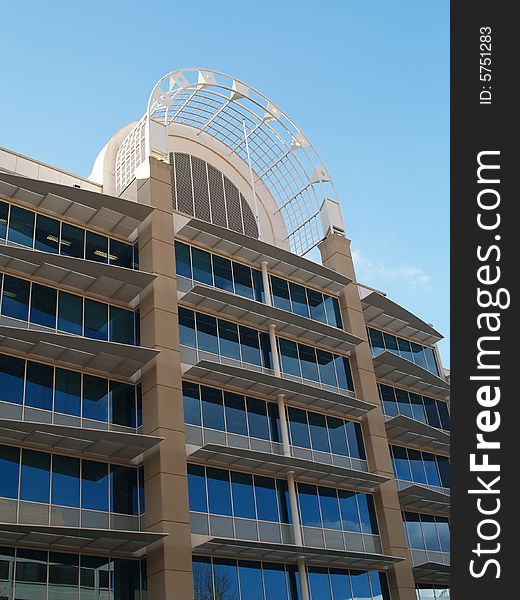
[403, 402]
[201, 261]
[96, 247]
[284, 502]
[139, 407]
[308, 362]
[258, 285]
[182, 260]
[309, 507]
[122, 404]
[280, 293]
[190, 397]
[94, 485]
[243, 495]
[319, 436]
[43, 305]
[121, 254]
[212, 408]
[414, 531]
[404, 349]
[123, 490]
[391, 343]
[319, 584]
[443, 531]
[340, 584]
[257, 418]
[243, 280]
[401, 463]
[197, 488]
[376, 341]
[265, 349]
[378, 583]
[275, 584]
[219, 491]
[360, 585]
[223, 273]
[96, 320]
[355, 440]
[121, 325]
[72, 241]
[67, 395]
[432, 414]
[207, 333]
[266, 505]
[250, 346]
[418, 412]
[444, 415]
[298, 428]
[9, 468]
[388, 400]
[443, 462]
[289, 357]
[38, 391]
[430, 465]
[228, 339]
[316, 305]
[349, 511]
[418, 355]
[11, 379]
[367, 513]
[21, 226]
[95, 398]
[430, 360]
[338, 440]
[329, 508]
[417, 466]
[70, 313]
[274, 422]
[35, 479]
[15, 298]
[300, 305]
[65, 481]
[326, 367]
[250, 575]
[225, 579]
[4, 215]
[187, 327]
[343, 372]
[235, 407]
[429, 528]
[333, 311]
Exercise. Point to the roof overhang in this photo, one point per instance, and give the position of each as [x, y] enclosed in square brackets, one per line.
[123, 544]
[89, 443]
[406, 431]
[253, 251]
[417, 497]
[383, 313]
[111, 214]
[278, 466]
[401, 372]
[111, 358]
[253, 382]
[261, 315]
[109, 281]
[430, 572]
[288, 553]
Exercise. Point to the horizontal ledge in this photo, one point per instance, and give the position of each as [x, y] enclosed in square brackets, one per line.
[106, 357]
[417, 497]
[108, 213]
[400, 371]
[255, 251]
[243, 549]
[109, 281]
[431, 572]
[90, 443]
[278, 465]
[384, 313]
[404, 430]
[124, 544]
[264, 384]
[261, 315]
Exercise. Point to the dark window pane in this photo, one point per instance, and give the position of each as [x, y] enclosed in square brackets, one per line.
[308, 362]
[418, 412]
[15, 298]
[430, 465]
[96, 320]
[219, 491]
[31, 574]
[319, 584]
[289, 357]
[299, 300]
[343, 372]
[401, 463]
[121, 325]
[443, 531]
[275, 585]
[430, 360]
[191, 401]
[355, 440]
[333, 311]
[309, 507]
[257, 418]
[70, 313]
[431, 412]
[443, 463]
[95, 577]
[444, 415]
[94, 485]
[95, 398]
[96, 247]
[403, 402]
[243, 496]
[43, 305]
[319, 436]
[236, 421]
[414, 531]
[10, 469]
[123, 488]
[338, 440]
[349, 511]
[67, 395]
[35, 479]
[258, 285]
[250, 346]
[21, 226]
[122, 403]
[139, 408]
[266, 504]
[121, 254]
[265, 349]
[72, 241]
[284, 502]
[298, 427]
[367, 513]
[391, 343]
[135, 257]
[38, 391]
[404, 349]
[187, 327]
[207, 333]
[376, 341]
[65, 480]
[228, 338]
[243, 280]
[390, 407]
[417, 466]
[274, 422]
[326, 368]
[63, 575]
[329, 508]
[223, 274]
[197, 488]
[4, 214]
[429, 528]
[47, 237]
[212, 408]
[201, 261]
[418, 355]
[316, 305]
[11, 379]
[183, 260]
[280, 293]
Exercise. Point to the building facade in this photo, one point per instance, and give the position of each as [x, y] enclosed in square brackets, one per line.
[198, 400]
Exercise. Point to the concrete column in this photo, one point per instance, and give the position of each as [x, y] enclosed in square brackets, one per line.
[166, 493]
[265, 281]
[336, 255]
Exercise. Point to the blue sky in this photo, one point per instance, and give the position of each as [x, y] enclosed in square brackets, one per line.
[367, 80]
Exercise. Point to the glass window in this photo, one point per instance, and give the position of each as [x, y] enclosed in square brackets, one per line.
[228, 338]
[340, 584]
[183, 260]
[343, 372]
[274, 422]
[326, 368]
[319, 583]
[284, 502]
[225, 579]
[96, 320]
[430, 465]
[443, 463]
[338, 440]
[121, 325]
[360, 584]
[219, 491]
[367, 513]
[431, 412]
[243, 495]
[21, 226]
[35, 479]
[329, 508]
[43, 305]
[414, 531]
[257, 418]
[417, 466]
[96, 247]
[123, 488]
[201, 261]
[258, 285]
[202, 578]
[31, 574]
[95, 398]
[207, 333]
[243, 280]
[391, 343]
[404, 349]
[47, 238]
[280, 293]
[67, 395]
[319, 436]
[38, 390]
[355, 440]
[401, 463]
[191, 401]
[10, 469]
[95, 577]
[418, 412]
[72, 241]
[429, 528]
[299, 302]
[298, 427]
[70, 313]
[289, 357]
[11, 379]
[443, 530]
[94, 485]
[223, 274]
[197, 488]
[309, 507]
[63, 576]
[187, 328]
[333, 311]
[275, 585]
[444, 415]
[388, 398]
[316, 305]
[4, 215]
[250, 574]
[212, 408]
[430, 360]
[403, 402]
[15, 298]
[308, 362]
[121, 254]
[250, 346]
[266, 504]
[376, 341]
[65, 481]
[265, 348]
[122, 403]
[235, 408]
[418, 355]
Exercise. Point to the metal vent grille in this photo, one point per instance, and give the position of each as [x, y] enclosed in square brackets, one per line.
[233, 206]
[218, 201]
[183, 183]
[200, 189]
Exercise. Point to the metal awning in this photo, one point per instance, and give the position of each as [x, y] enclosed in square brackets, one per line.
[249, 381]
[123, 544]
[111, 214]
[277, 465]
[287, 553]
[401, 372]
[383, 313]
[251, 250]
[417, 497]
[111, 358]
[109, 281]
[406, 431]
[89, 443]
[259, 315]
[431, 572]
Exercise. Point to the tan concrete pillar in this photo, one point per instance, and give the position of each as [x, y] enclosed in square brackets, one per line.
[166, 493]
[336, 255]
